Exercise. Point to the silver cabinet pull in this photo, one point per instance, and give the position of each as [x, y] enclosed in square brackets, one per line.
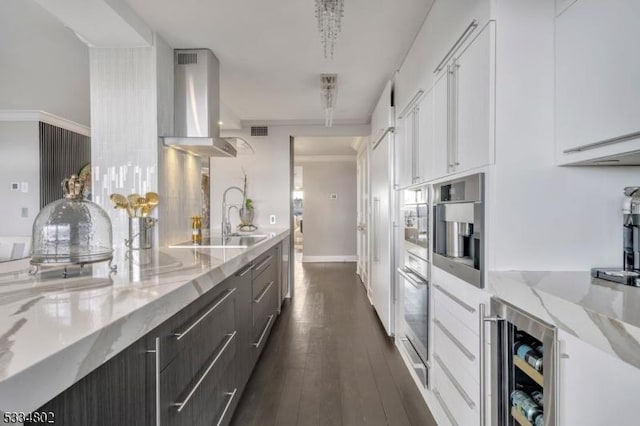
[406, 275]
[231, 396]
[467, 353]
[156, 352]
[264, 292]
[483, 367]
[455, 299]
[454, 115]
[264, 262]
[602, 143]
[455, 383]
[465, 35]
[203, 316]
[195, 387]
[449, 117]
[264, 332]
[444, 407]
[376, 207]
[414, 101]
[245, 272]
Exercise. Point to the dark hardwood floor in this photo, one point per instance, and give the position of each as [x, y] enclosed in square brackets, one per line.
[329, 362]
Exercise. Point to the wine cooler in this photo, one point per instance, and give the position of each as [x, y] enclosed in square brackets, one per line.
[524, 364]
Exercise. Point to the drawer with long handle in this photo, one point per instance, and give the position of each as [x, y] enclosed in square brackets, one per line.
[263, 262]
[462, 406]
[188, 326]
[465, 311]
[182, 402]
[462, 346]
[264, 304]
[465, 372]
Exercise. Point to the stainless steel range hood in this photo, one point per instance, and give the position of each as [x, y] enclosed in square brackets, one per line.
[197, 105]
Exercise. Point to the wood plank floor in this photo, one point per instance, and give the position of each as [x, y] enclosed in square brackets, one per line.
[329, 362]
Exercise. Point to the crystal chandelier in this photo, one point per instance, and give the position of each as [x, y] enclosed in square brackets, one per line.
[329, 14]
[328, 95]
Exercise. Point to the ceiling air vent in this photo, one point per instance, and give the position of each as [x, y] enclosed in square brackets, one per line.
[259, 131]
[187, 58]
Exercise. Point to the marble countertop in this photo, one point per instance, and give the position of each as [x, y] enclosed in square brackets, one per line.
[602, 313]
[54, 330]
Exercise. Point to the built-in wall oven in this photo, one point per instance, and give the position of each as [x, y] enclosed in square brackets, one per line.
[458, 228]
[414, 277]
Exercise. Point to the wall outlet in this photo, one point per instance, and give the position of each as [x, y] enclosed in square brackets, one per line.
[334, 196]
[15, 186]
[272, 219]
[24, 212]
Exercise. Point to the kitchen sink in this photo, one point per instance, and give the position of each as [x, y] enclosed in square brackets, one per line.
[231, 241]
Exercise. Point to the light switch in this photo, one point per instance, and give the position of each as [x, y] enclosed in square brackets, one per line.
[24, 186]
[24, 212]
[334, 196]
[272, 219]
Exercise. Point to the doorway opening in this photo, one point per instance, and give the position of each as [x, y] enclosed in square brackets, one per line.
[324, 199]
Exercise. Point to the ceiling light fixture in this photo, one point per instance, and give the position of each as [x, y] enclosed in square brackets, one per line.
[328, 95]
[329, 14]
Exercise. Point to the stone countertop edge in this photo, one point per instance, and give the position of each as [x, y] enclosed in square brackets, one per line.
[29, 387]
[604, 314]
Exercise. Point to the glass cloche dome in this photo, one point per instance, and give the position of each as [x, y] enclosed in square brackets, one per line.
[71, 230]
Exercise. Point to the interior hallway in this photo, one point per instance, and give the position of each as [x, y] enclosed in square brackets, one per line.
[328, 361]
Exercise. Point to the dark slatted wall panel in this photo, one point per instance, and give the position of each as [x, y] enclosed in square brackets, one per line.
[62, 154]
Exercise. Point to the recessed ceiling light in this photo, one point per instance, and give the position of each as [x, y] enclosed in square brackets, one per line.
[220, 123]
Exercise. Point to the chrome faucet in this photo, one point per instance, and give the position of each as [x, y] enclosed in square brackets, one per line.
[226, 224]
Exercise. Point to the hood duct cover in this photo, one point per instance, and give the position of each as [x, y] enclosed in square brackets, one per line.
[197, 105]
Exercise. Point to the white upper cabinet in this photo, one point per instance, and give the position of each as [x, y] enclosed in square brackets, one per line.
[383, 117]
[464, 108]
[597, 80]
[404, 135]
[440, 126]
[472, 138]
[424, 163]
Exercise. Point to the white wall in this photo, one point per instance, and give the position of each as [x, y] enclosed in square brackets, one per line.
[330, 224]
[20, 154]
[43, 65]
[268, 171]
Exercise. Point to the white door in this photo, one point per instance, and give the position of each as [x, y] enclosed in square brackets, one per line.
[363, 214]
[472, 100]
[381, 280]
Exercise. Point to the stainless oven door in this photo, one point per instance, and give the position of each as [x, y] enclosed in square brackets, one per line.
[416, 228]
[416, 311]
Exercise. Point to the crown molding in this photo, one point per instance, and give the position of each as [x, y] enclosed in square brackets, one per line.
[45, 117]
[324, 158]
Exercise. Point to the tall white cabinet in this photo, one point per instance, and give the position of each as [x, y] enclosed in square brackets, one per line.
[381, 213]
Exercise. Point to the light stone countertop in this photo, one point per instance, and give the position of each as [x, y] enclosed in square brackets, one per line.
[54, 330]
[601, 313]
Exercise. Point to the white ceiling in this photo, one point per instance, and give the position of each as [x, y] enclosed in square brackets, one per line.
[324, 146]
[271, 57]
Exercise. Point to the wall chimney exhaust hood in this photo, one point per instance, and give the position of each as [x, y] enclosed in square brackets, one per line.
[197, 105]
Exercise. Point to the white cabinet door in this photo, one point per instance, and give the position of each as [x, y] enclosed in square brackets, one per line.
[472, 97]
[403, 139]
[381, 285]
[597, 74]
[425, 143]
[595, 388]
[440, 93]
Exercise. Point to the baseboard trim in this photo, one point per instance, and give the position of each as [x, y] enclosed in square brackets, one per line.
[322, 259]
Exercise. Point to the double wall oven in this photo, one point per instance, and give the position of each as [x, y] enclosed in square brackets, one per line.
[414, 278]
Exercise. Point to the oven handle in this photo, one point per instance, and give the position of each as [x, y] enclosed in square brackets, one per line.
[406, 275]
